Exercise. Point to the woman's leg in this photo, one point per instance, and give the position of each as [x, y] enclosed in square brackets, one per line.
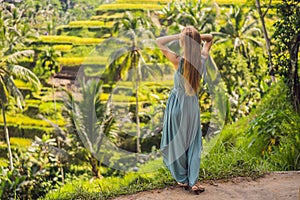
[179, 169]
[193, 158]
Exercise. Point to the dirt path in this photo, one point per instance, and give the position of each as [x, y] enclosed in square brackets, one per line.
[274, 186]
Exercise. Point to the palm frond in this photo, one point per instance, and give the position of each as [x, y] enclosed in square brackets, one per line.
[131, 35]
[110, 44]
[249, 27]
[14, 58]
[220, 34]
[221, 41]
[25, 74]
[13, 90]
[253, 31]
[3, 91]
[126, 65]
[116, 55]
[254, 41]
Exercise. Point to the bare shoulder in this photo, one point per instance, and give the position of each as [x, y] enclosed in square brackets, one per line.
[204, 54]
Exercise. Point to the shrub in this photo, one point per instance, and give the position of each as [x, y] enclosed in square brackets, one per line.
[274, 132]
[35, 172]
[224, 163]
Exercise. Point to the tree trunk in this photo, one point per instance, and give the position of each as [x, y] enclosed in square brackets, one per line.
[11, 166]
[138, 131]
[267, 39]
[294, 76]
[95, 167]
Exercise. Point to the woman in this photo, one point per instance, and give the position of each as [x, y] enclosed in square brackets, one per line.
[181, 141]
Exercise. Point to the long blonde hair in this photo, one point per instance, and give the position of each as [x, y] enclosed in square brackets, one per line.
[191, 42]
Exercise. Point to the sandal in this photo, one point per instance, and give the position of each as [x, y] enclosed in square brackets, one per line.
[183, 185]
[197, 188]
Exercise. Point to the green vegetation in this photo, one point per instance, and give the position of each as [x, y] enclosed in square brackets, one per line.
[232, 155]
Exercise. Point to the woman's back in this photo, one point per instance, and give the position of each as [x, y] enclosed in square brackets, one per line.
[179, 80]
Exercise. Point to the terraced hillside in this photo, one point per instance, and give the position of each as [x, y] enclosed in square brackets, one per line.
[78, 39]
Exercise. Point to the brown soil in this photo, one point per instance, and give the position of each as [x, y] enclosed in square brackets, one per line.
[273, 186]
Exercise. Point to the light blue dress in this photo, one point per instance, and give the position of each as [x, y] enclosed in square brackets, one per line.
[181, 140]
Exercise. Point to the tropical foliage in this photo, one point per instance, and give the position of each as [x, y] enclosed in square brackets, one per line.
[14, 33]
[287, 47]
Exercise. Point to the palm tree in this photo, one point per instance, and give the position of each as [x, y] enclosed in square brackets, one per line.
[47, 63]
[240, 29]
[130, 58]
[8, 70]
[266, 35]
[195, 13]
[91, 119]
[48, 66]
[13, 35]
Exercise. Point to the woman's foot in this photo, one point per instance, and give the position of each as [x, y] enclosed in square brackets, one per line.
[183, 185]
[198, 188]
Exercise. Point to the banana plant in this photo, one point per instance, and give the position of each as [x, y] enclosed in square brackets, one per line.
[241, 30]
[128, 60]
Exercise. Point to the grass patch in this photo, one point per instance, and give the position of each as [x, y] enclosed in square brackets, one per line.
[230, 2]
[16, 144]
[107, 17]
[20, 142]
[143, 1]
[76, 61]
[128, 6]
[22, 84]
[224, 163]
[47, 109]
[23, 120]
[64, 48]
[3, 162]
[123, 98]
[70, 39]
[32, 102]
[109, 187]
[129, 84]
[90, 24]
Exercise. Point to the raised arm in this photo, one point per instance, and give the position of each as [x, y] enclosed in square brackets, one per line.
[208, 38]
[161, 43]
